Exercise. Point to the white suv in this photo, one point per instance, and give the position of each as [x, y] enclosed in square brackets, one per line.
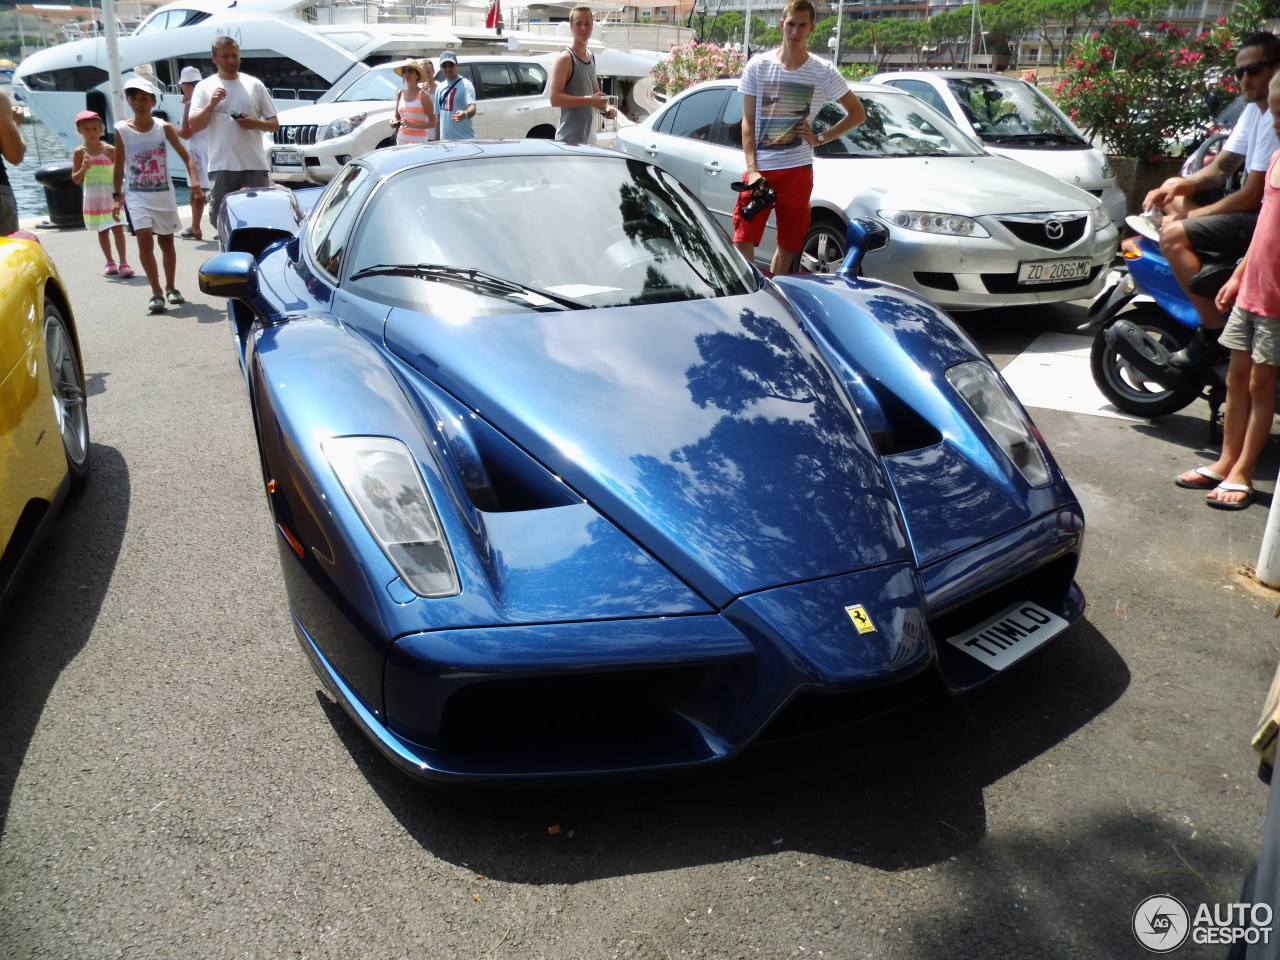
[316, 141]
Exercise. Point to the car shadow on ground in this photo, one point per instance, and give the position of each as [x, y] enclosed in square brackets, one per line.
[895, 792]
[57, 604]
[202, 312]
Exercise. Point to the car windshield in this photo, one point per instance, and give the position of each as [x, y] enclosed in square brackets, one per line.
[896, 126]
[381, 83]
[1002, 109]
[583, 231]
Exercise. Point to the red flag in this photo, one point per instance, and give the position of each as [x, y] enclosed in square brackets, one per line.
[494, 16]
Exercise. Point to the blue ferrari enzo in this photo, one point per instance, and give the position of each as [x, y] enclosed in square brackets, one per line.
[564, 486]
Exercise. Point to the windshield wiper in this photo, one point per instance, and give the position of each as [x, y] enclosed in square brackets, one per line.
[477, 281]
[1036, 138]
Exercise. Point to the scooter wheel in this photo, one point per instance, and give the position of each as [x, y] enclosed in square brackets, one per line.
[1127, 388]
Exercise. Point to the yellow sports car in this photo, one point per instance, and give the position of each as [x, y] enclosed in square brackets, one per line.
[44, 424]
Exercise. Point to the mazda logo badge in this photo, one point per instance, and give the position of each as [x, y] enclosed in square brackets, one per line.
[1053, 229]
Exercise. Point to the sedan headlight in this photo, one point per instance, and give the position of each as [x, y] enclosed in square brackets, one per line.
[994, 406]
[1108, 171]
[382, 479]
[343, 126]
[946, 224]
[1101, 217]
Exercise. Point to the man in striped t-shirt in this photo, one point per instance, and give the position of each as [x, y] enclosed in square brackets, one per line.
[781, 91]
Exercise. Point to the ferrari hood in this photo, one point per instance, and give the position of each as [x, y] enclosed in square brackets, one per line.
[711, 432]
[992, 185]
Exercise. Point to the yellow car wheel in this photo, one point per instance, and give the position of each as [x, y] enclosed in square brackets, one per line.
[67, 380]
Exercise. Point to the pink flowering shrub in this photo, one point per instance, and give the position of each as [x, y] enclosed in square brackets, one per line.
[1147, 91]
[694, 62]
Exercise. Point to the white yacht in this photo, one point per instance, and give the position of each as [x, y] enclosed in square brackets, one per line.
[298, 48]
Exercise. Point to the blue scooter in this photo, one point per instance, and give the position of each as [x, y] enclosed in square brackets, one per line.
[1131, 350]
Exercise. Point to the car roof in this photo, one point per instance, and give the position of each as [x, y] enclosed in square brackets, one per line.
[857, 86]
[387, 161]
[943, 75]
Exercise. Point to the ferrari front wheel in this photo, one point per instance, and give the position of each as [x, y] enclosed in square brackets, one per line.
[66, 377]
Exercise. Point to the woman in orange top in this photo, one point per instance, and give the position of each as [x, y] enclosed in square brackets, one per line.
[415, 118]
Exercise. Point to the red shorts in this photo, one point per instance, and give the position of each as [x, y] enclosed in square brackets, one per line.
[794, 187]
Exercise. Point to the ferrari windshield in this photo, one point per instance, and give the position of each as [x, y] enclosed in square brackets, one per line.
[1010, 111]
[584, 231]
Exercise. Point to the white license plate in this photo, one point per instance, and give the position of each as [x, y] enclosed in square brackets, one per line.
[1010, 635]
[286, 158]
[1053, 271]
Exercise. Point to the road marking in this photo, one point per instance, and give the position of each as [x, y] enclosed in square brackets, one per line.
[1053, 373]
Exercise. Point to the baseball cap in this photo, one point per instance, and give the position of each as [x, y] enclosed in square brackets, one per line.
[137, 83]
[84, 115]
[189, 75]
[448, 57]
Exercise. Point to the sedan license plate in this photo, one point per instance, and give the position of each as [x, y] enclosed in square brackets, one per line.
[286, 158]
[1053, 271]
[1010, 635]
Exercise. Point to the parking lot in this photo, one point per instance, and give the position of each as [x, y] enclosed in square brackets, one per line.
[172, 783]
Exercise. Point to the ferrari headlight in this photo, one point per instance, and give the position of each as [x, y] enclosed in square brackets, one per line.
[994, 406]
[946, 224]
[342, 126]
[382, 479]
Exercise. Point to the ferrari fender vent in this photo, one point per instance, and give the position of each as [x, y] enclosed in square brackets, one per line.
[894, 425]
[497, 475]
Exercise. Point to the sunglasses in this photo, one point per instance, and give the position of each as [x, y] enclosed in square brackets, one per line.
[1253, 69]
[449, 63]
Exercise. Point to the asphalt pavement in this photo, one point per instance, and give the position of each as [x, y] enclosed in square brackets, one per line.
[173, 785]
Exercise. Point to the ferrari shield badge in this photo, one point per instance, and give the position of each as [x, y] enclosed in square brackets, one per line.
[860, 619]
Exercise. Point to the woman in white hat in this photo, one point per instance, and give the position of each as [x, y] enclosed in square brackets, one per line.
[415, 119]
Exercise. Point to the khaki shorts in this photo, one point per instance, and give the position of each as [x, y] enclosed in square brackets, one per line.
[1259, 336]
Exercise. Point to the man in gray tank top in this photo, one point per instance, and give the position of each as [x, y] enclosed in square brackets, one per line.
[574, 86]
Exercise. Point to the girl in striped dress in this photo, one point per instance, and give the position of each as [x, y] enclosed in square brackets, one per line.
[415, 118]
[93, 165]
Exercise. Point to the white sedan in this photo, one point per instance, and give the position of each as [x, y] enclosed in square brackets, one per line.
[1013, 119]
[967, 230]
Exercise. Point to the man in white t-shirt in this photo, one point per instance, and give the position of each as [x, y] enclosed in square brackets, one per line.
[781, 92]
[236, 109]
[1201, 222]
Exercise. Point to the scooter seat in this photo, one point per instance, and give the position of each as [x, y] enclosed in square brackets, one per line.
[1210, 278]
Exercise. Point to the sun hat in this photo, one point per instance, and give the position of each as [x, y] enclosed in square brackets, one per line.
[190, 75]
[137, 83]
[410, 64]
[448, 57]
[84, 115]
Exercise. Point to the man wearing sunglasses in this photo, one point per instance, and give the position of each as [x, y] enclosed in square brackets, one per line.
[1203, 223]
[455, 101]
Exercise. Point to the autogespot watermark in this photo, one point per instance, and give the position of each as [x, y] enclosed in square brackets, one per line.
[1162, 924]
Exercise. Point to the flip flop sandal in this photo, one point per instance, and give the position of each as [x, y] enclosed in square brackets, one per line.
[186, 234]
[1232, 488]
[1206, 479]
